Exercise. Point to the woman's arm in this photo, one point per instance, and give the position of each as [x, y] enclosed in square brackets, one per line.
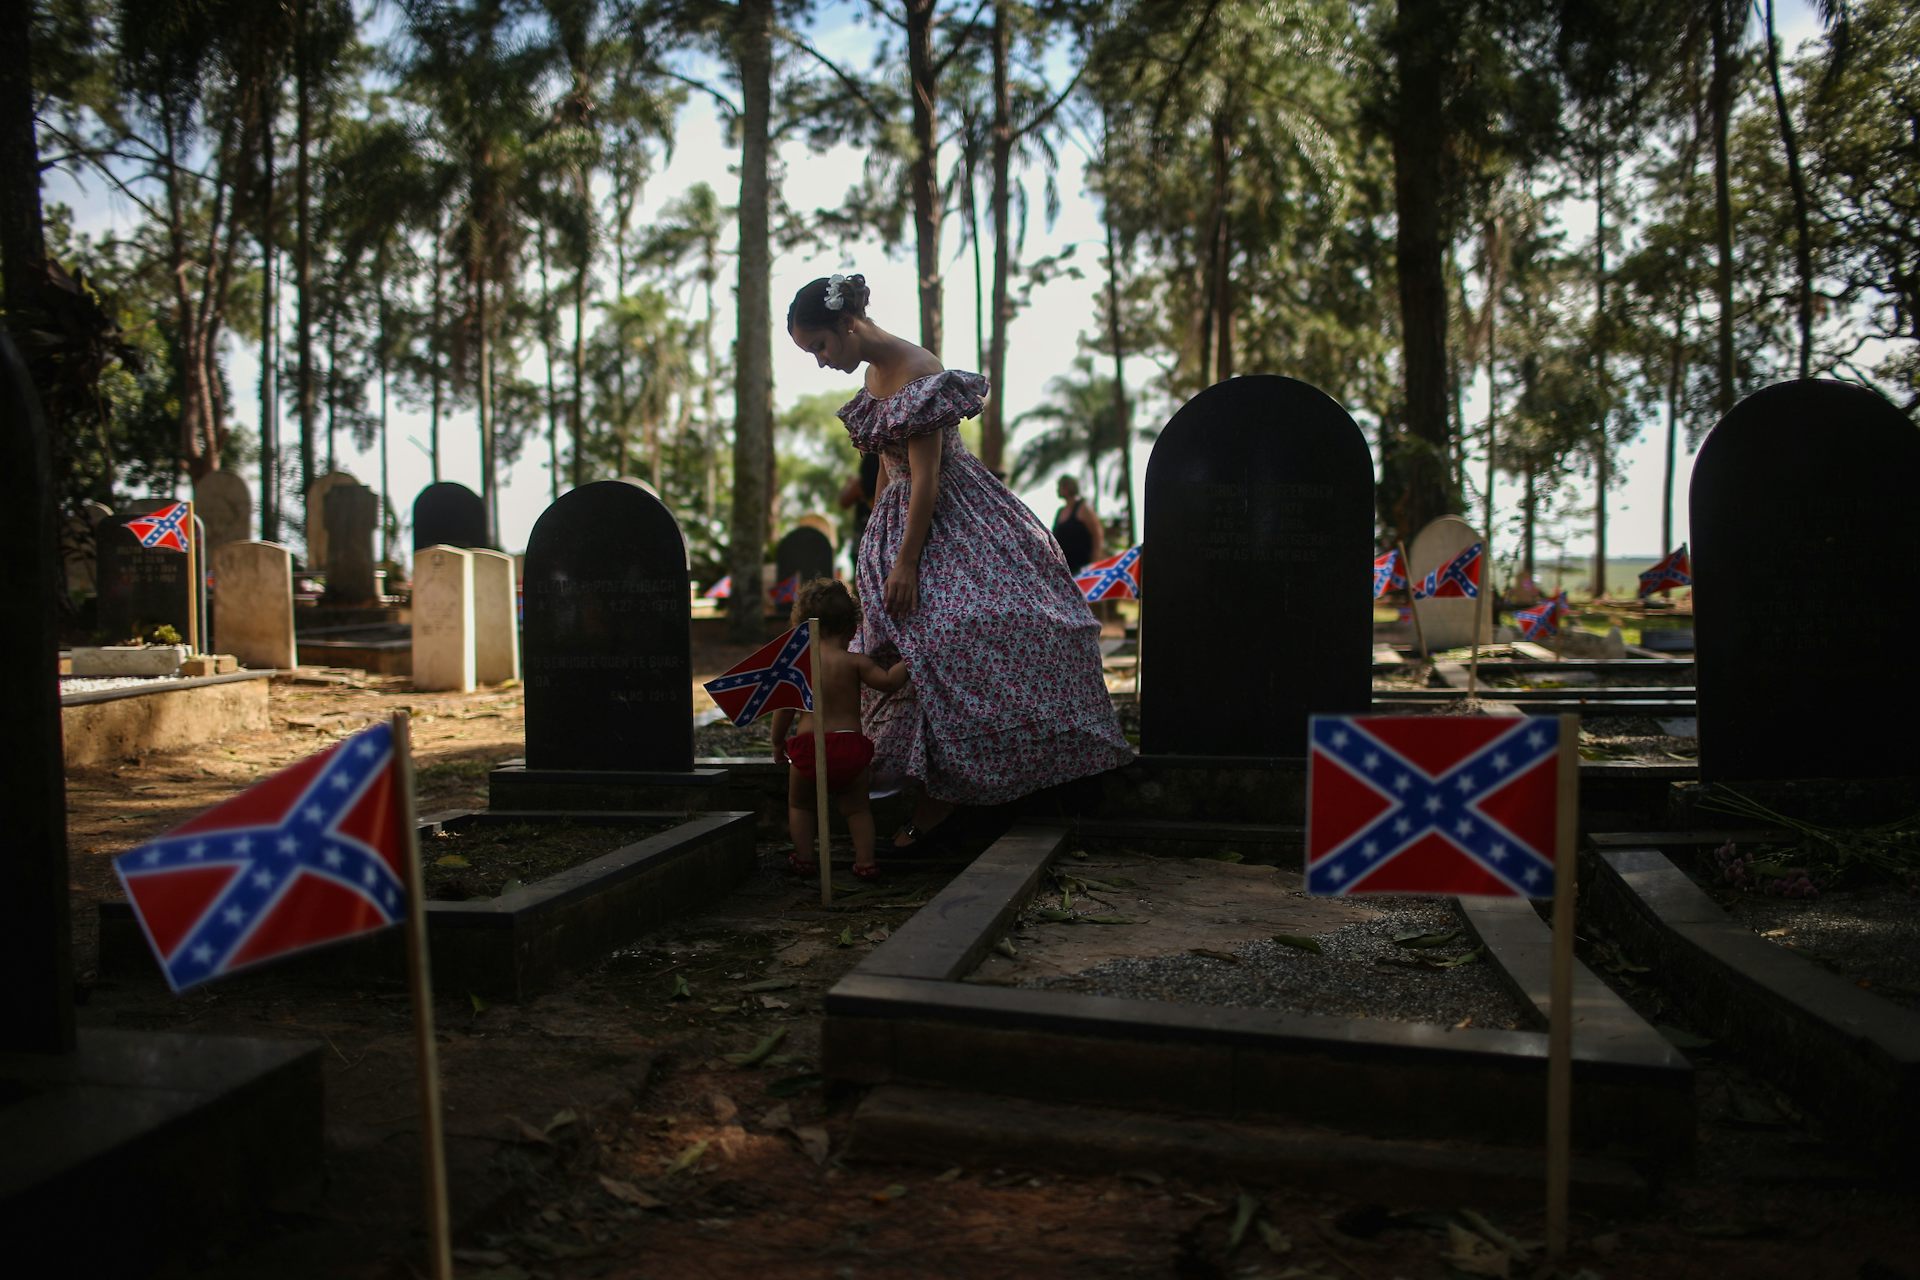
[1094, 527]
[923, 465]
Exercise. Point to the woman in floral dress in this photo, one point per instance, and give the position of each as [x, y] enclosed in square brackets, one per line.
[1007, 695]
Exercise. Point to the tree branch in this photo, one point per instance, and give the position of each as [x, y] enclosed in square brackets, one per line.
[726, 103]
[960, 41]
[852, 86]
[1046, 113]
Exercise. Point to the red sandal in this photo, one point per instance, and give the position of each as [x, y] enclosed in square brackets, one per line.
[801, 868]
[869, 872]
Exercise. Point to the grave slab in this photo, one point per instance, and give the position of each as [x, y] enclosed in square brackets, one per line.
[1796, 479]
[253, 603]
[443, 620]
[1256, 480]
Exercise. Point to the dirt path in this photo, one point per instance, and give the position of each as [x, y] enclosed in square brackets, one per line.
[601, 1130]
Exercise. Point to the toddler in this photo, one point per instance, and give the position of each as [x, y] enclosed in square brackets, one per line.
[837, 677]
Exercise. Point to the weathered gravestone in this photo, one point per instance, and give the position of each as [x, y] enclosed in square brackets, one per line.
[1797, 494]
[609, 674]
[1450, 621]
[443, 619]
[142, 589]
[450, 515]
[316, 526]
[221, 499]
[1259, 528]
[77, 547]
[496, 624]
[805, 551]
[253, 604]
[352, 515]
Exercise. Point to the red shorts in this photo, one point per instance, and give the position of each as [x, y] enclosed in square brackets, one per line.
[848, 752]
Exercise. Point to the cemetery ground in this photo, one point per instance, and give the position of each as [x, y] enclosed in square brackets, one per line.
[661, 1115]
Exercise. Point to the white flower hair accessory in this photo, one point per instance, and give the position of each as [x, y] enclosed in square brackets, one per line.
[835, 299]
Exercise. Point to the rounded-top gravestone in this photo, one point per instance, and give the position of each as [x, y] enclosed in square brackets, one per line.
[141, 588]
[221, 499]
[1798, 495]
[1257, 609]
[450, 515]
[805, 551]
[1447, 622]
[607, 660]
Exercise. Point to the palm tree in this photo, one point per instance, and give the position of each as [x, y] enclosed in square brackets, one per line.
[1082, 426]
[687, 232]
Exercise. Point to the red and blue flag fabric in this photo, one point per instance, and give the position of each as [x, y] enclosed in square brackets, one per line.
[313, 854]
[784, 591]
[167, 529]
[1543, 620]
[1674, 570]
[721, 589]
[1432, 804]
[778, 674]
[1388, 573]
[1115, 578]
[1459, 576]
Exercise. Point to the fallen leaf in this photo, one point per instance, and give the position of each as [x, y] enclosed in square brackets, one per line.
[846, 937]
[561, 1119]
[779, 1117]
[1296, 940]
[724, 1108]
[774, 1002]
[631, 1194]
[1417, 939]
[687, 1158]
[1274, 1238]
[1055, 914]
[479, 1005]
[1210, 954]
[879, 934]
[1107, 920]
[1005, 948]
[1245, 1206]
[451, 860]
[681, 991]
[887, 1195]
[1474, 1256]
[799, 953]
[814, 1141]
[760, 1052]
[528, 1133]
[773, 984]
[948, 1176]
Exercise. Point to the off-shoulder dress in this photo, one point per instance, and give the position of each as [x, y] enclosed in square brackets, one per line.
[1007, 694]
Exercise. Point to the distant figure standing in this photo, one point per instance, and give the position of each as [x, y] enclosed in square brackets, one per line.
[858, 494]
[1076, 526]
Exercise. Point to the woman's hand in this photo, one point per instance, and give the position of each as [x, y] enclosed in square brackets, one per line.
[902, 589]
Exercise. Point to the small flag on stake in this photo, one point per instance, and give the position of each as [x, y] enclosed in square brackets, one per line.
[1458, 577]
[1115, 578]
[1543, 620]
[783, 592]
[168, 529]
[311, 855]
[1388, 573]
[1431, 804]
[721, 589]
[1674, 570]
[777, 674]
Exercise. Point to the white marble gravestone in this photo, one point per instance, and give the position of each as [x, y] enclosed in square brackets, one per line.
[253, 604]
[1449, 623]
[443, 630]
[496, 625]
[221, 500]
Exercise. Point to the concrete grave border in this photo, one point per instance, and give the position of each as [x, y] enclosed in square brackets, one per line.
[1842, 1053]
[523, 942]
[103, 725]
[903, 1016]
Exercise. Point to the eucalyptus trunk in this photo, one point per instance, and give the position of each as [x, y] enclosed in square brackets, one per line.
[923, 176]
[753, 363]
[1797, 182]
[269, 323]
[1720, 103]
[303, 242]
[993, 421]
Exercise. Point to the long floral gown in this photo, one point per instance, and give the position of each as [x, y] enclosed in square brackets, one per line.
[1007, 695]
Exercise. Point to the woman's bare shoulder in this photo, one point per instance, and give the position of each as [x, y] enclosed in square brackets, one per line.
[884, 384]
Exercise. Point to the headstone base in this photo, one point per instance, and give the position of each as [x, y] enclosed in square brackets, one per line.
[117, 660]
[182, 1134]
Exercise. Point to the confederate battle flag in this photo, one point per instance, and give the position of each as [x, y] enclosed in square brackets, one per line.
[777, 674]
[1459, 576]
[1115, 578]
[167, 529]
[1388, 573]
[783, 591]
[1674, 570]
[721, 589]
[311, 855]
[1432, 804]
[1543, 620]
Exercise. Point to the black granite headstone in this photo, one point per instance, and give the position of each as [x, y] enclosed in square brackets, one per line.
[142, 589]
[1258, 610]
[807, 552]
[451, 515]
[1800, 496]
[608, 670]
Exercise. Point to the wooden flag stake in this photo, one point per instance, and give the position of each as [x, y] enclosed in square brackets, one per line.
[1479, 614]
[419, 979]
[1139, 642]
[196, 589]
[820, 763]
[1413, 602]
[1560, 1009]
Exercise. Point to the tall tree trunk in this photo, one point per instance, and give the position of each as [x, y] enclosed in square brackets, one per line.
[970, 195]
[1797, 181]
[753, 359]
[1495, 255]
[1222, 253]
[388, 512]
[269, 326]
[993, 428]
[1603, 337]
[1676, 373]
[1423, 46]
[924, 175]
[489, 482]
[333, 377]
[548, 331]
[577, 408]
[1122, 411]
[434, 347]
[1720, 103]
[303, 242]
[710, 425]
[1530, 501]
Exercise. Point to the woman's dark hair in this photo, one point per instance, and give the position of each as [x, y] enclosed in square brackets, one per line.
[809, 309]
[828, 600]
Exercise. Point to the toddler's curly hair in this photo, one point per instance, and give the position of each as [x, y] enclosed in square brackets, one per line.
[828, 600]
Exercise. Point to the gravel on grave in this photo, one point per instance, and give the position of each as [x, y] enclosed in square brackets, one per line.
[94, 684]
[1359, 972]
